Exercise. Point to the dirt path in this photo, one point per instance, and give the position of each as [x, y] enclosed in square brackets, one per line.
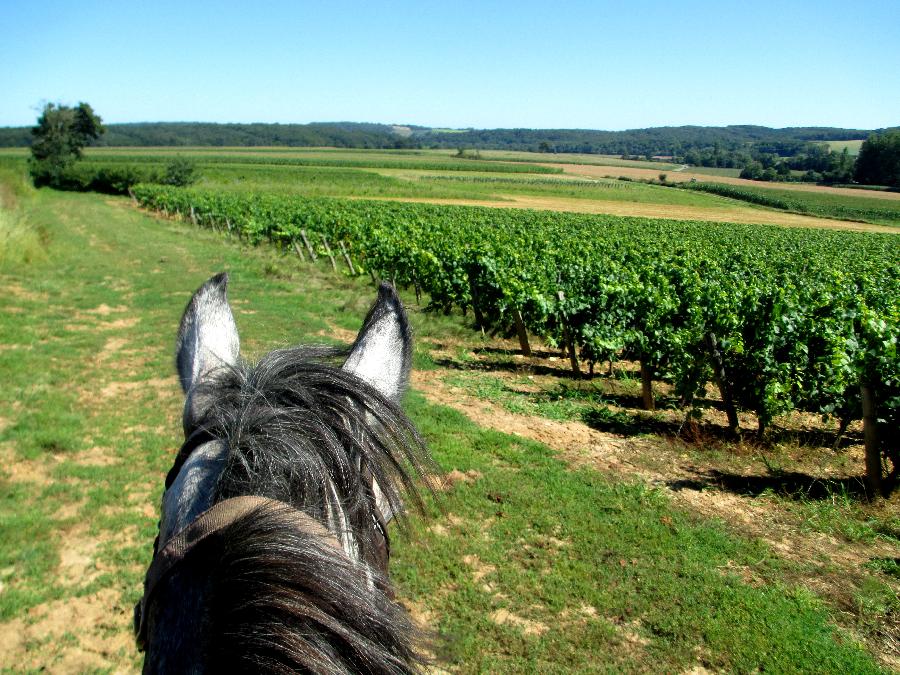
[831, 567]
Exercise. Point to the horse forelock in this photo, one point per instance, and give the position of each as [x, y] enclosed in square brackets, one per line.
[298, 429]
[301, 430]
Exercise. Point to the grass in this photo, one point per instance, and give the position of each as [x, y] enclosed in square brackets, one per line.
[575, 158]
[359, 159]
[528, 566]
[715, 171]
[612, 403]
[852, 146]
[841, 206]
[20, 239]
[419, 184]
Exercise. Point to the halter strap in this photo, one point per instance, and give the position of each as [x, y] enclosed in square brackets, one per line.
[206, 525]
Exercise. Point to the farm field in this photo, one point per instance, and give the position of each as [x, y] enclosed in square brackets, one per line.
[859, 207]
[440, 177]
[600, 171]
[575, 532]
[852, 146]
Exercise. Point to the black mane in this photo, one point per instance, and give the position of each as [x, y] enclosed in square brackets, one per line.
[266, 596]
[296, 419]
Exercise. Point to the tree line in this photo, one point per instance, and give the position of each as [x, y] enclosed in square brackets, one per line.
[761, 153]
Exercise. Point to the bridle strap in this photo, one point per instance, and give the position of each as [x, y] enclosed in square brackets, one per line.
[206, 525]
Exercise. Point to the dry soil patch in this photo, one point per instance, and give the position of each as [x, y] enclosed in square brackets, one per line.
[102, 642]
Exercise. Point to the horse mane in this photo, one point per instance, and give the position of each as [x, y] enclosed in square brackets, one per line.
[297, 425]
[265, 595]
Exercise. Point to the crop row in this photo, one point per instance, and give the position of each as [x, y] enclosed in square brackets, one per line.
[450, 164]
[780, 319]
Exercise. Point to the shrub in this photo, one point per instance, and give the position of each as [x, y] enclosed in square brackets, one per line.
[180, 172]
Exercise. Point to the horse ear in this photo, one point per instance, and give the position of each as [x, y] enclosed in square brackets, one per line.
[382, 353]
[207, 337]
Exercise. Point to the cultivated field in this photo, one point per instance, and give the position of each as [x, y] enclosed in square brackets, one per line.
[575, 183]
[575, 531]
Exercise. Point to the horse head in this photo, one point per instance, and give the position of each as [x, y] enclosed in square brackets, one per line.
[273, 545]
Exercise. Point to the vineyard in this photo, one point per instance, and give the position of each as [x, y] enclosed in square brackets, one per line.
[427, 163]
[777, 319]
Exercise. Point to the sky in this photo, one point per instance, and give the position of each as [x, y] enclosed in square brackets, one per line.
[588, 65]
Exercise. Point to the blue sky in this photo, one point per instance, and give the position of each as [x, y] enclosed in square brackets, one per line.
[598, 65]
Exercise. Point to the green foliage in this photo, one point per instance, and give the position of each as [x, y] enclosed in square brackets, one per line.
[879, 160]
[180, 172]
[800, 317]
[114, 179]
[59, 136]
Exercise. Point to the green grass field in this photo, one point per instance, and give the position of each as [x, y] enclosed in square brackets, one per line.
[422, 184]
[860, 208]
[574, 158]
[715, 171]
[852, 146]
[530, 563]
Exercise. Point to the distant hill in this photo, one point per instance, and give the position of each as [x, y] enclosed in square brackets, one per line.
[668, 141]
[142, 134]
[652, 141]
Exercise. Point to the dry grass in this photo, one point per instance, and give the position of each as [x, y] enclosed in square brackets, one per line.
[596, 171]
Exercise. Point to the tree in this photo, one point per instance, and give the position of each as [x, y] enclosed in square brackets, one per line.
[59, 136]
[879, 160]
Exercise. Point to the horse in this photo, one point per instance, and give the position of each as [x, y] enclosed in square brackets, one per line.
[272, 552]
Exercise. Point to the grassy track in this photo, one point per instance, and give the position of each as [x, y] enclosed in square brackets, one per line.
[529, 566]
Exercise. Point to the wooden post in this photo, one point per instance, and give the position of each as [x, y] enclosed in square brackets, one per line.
[647, 385]
[870, 433]
[228, 224]
[347, 258]
[193, 215]
[569, 341]
[297, 249]
[328, 251]
[719, 375]
[523, 334]
[312, 253]
[476, 308]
